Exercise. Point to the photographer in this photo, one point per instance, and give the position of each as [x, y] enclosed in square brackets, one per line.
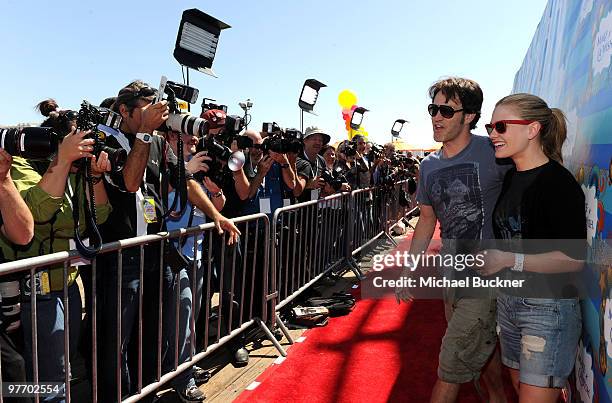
[137, 189]
[49, 191]
[17, 228]
[347, 165]
[271, 177]
[179, 279]
[310, 165]
[364, 177]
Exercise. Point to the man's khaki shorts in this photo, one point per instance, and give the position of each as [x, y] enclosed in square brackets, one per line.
[469, 340]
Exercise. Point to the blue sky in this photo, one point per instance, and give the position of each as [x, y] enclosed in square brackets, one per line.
[386, 52]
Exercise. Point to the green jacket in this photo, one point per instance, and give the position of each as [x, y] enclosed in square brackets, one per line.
[43, 207]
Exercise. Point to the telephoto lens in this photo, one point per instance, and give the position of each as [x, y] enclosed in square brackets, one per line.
[187, 124]
[33, 143]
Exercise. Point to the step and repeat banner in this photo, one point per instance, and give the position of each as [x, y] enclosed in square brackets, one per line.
[569, 65]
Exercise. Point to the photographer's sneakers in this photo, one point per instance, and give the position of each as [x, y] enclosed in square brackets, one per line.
[200, 375]
[191, 394]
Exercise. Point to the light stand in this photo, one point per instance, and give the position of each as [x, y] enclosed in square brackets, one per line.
[308, 98]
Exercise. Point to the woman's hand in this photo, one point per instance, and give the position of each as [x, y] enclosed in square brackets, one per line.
[100, 166]
[494, 261]
[75, 146]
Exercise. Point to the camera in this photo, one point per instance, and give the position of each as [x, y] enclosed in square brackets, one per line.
[210, 105]
[88, 118]
[334, 178]
[281, 141]
[33, 143]
[218, 153]
[349, 149]
[376, 152]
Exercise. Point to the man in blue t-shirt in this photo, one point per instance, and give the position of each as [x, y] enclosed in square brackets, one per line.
[458, 187]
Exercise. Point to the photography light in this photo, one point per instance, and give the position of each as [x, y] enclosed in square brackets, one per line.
[196, 43]
[309, 94]
[397, 127]
[357, 117]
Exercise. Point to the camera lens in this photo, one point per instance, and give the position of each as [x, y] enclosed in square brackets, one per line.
[186, 124]
[29, 142]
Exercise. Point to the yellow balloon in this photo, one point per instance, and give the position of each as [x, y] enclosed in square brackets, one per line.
[346, 99]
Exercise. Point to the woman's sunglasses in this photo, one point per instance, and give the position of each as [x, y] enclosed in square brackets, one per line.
[501, 125]
[445, 110]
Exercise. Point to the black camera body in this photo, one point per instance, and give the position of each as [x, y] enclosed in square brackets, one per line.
[350, 149]
[88, 118]
[218, 153]
[376, 152]
[282, 141]
[334, 178]
[32, 143]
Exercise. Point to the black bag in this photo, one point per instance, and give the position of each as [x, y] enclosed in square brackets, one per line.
[338, 304]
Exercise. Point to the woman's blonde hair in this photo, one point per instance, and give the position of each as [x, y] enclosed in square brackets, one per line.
[554, 128]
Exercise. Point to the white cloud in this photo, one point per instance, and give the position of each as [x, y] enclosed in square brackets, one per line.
[584, 374]
[590, 211]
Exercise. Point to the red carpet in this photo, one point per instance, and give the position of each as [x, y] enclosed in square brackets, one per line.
[381, 352]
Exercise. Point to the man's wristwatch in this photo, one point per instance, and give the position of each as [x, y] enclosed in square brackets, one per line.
[218, 194]
[144, 137]
[286, 165]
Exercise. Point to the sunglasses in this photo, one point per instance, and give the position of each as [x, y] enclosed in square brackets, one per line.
[500, 125]
[446, 111]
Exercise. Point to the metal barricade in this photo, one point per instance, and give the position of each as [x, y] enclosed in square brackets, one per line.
[141, 290]
[308, 243]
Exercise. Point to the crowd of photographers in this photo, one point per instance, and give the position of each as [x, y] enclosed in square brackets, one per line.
[120, 175]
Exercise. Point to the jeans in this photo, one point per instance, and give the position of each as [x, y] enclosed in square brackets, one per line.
[50, 311]
[539, 337]
[181, 282]
[111, 331]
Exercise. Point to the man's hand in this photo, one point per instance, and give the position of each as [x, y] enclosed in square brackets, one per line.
[345, 187]
[197, 163]
[5, 165]
[222, 223]
[264, 165]
[280, 158]
[494, 261]
[316, 183]
[403, 293]
[153, 116]
[292, 157]
[211, 186]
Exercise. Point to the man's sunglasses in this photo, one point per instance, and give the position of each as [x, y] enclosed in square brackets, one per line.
[446, 111]
[501, 125]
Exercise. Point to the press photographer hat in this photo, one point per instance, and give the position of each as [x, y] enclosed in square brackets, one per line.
[312, 130]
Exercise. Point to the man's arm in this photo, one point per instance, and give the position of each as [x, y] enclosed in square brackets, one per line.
[423, 232]
[421, 237]
[241, 184]
[198, 198]
[133, 170]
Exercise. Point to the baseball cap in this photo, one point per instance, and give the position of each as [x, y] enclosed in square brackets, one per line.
[312, 130]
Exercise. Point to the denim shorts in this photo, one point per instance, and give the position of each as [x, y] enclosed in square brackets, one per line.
[539, 337]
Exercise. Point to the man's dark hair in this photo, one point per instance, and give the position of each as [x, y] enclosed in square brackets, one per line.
[467, 91]
[132, 93]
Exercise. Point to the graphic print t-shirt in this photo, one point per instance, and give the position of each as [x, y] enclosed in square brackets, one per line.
[463, 189]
